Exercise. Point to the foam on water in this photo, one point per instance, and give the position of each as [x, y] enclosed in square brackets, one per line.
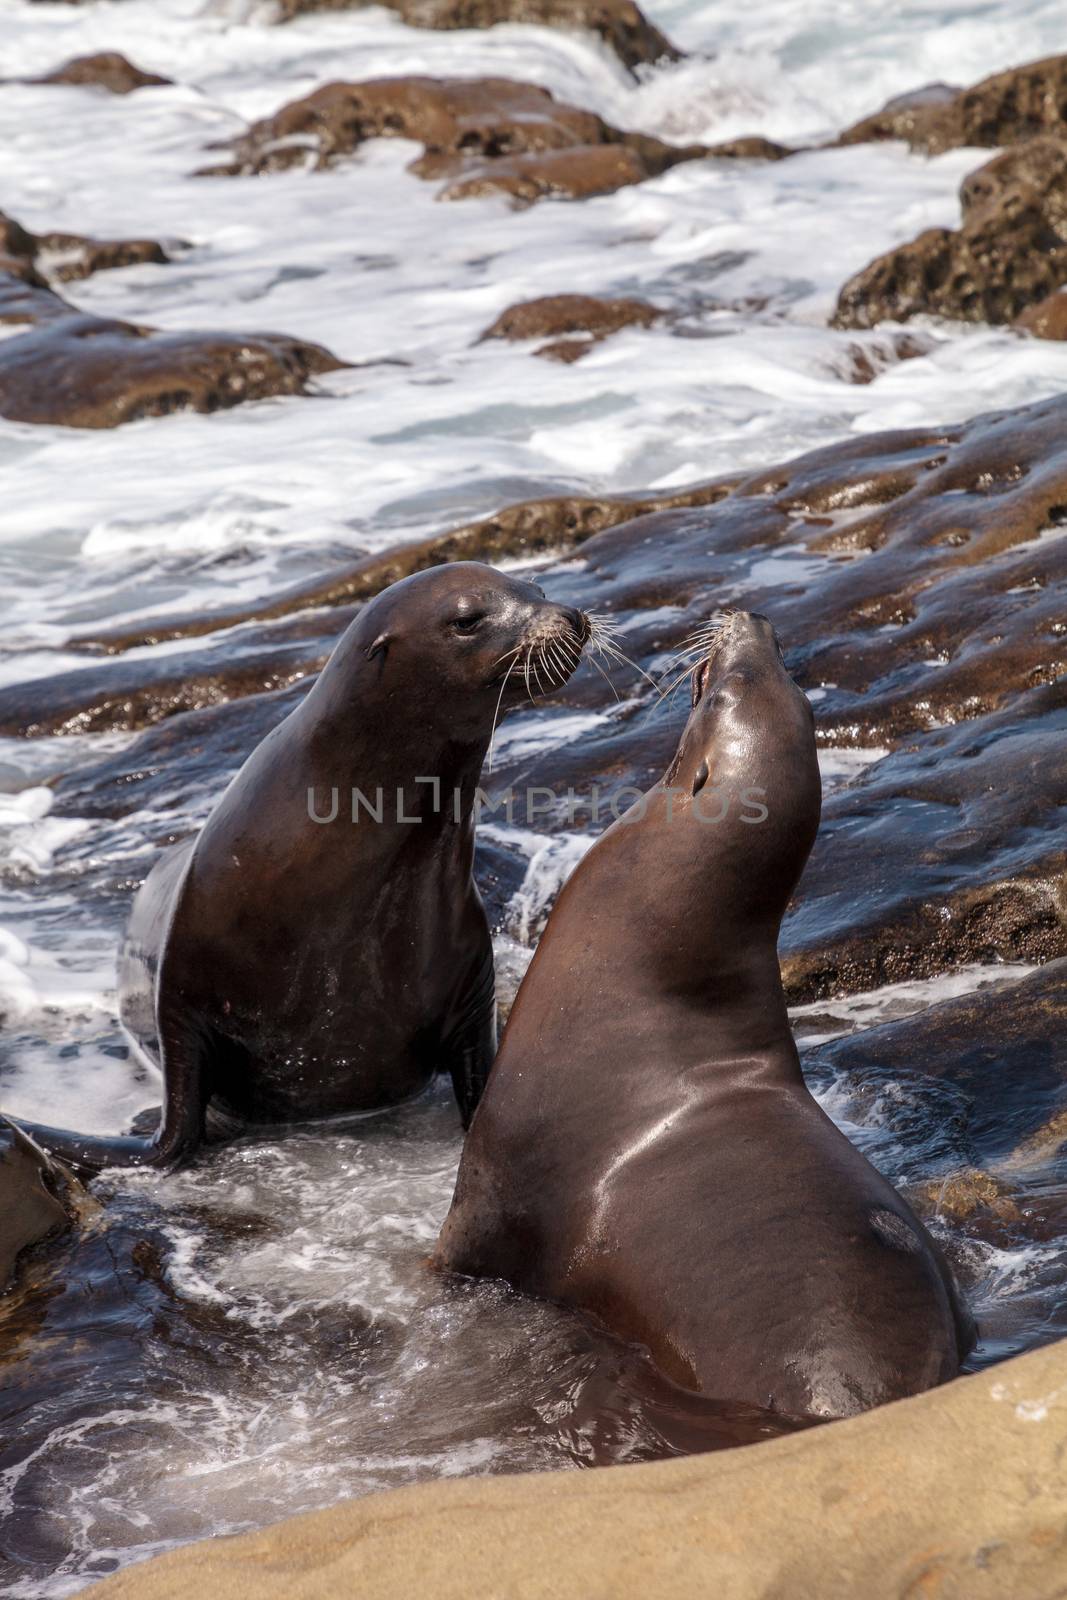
[332, 1362]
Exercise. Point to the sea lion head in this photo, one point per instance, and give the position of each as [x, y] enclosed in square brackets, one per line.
[483, 639]
[746, 766]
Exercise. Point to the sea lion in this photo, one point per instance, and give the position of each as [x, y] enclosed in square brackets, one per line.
[320, 949]
[36, 1199]
[646, 1149]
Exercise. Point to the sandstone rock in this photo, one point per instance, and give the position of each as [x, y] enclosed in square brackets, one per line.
[1048, 319]
[618, 22]
[82, 371]
[959, 1493]
[558, 316]
[106, 70]
[489, 134]
[1010, 252]
[1011, 106]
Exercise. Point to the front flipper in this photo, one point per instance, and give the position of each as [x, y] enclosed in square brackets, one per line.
[470, 1049]
[184, 1049]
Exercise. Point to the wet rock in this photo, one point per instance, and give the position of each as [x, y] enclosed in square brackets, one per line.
[1048, 319]
[173, 768]
[66, 256]
[1003, 1048]
[75, 370]
[529, 528]
[36, 1199]
[1021, 103]
[489, 135]
[576, 174]
[557, 317]
[751, 147]
[1009, 253]
[862, 363]
[129, 695]
[964, 1195]
[105, 70]
[917, 582]
[618, 22]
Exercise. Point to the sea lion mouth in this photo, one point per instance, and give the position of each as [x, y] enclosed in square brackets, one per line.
[546, 658]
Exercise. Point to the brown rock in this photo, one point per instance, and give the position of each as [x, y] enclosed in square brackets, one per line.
[106, 70]
[618, 22]
[964, 1194]
[1048, 319]
[1021, 103]
[958, 1494]
[66, 256]
[81, 371]
[1010, 252]
[751, 147]
[576, 174]
[491, 134]
[555, 316]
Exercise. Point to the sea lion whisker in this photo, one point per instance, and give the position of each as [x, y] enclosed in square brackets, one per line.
[595, 664]
[510, 655]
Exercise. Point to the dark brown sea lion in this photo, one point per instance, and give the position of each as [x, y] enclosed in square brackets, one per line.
[320, 948]
[646, 1149]
[36, 1199]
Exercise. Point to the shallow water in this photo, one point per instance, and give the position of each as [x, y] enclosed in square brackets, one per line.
[261, 1334]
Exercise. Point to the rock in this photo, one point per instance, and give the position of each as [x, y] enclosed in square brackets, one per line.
[959, 1493]
[751, 147]
[80, 371]
[921, 598]
[618, 22]
[555, 316]
[1021, 103]
[963, 1195]
[488, 134]
[576, 174]
[1047, 319]
[36, 1199]
[106, 70]
[1010, 252]
[526, 529]
[124, 696]
[862, 363]
[66, 256]
[1002, 1049]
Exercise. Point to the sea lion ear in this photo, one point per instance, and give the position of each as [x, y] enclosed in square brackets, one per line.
[379, 647]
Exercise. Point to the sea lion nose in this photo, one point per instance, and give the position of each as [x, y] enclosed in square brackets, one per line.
[576, 619]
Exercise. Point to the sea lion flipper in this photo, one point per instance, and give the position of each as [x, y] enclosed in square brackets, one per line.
[179, 1132]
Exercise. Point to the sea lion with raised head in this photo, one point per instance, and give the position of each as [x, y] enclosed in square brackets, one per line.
[646, 1149]
[320, 949]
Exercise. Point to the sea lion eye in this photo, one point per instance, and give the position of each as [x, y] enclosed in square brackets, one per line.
[468, 622]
